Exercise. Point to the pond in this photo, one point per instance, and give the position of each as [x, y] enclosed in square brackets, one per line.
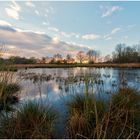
[55, 86]
[52, 84]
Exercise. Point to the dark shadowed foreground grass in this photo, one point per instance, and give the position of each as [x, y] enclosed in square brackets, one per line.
[87, 116]
[8, 95]
[32, 120]
[84, 115]
[124, 119]
[91, 118]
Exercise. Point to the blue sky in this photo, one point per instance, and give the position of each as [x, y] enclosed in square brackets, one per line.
[69, 26]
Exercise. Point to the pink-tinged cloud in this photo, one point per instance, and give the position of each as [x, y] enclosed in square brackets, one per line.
[36, 44]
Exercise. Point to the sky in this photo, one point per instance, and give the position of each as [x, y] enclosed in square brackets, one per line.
[44, 28]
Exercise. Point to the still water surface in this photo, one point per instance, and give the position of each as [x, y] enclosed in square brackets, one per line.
[52, 84]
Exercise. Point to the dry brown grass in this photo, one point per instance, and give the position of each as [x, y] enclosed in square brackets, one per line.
[32, 120]
[98, 65]
[119, 120]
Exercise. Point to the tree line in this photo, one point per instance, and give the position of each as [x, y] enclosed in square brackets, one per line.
[122, 54]
[81, 57]
[126, 54]
[18, 60]
[90, 56]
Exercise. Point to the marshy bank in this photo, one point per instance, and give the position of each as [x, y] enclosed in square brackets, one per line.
[8, 90]
[97, 119]
[83, 102]
[8, 95]
[31, 121]
[87, 117]
[96, 65]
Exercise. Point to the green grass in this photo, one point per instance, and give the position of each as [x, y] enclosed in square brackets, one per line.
[32, 120]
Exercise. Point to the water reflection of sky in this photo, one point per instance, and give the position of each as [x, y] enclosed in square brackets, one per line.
[67, 81]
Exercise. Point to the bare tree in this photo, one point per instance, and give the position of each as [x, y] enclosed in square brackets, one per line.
[57, 56]
[43, 60]
[2, 47]
[92, 55]
[68, 56]
[97, 54]
[107, 58]
[80, 56]
[126, 54]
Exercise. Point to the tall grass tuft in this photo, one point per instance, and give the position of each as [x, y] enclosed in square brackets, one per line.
[92, 118]
[8, 87]
[32, 120]
[124, 114]
[8, 95]
[83, 115]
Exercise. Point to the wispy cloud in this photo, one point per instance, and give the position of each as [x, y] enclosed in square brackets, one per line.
[28, 31]
[69, 35]
[108, 11]
[108, 38]
[114, 31]
[126, 37]
[130, 27]
[35, 44]
[81, 45]
[54, 29]
[4, 23]
[37, 12]
[30, 4]
[91, 36]
[49, 11]
[62, 33]
[13, 10]
[45, 23]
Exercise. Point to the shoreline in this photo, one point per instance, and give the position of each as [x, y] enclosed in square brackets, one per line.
[97, 65]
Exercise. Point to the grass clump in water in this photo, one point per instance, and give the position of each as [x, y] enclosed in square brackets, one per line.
[9, 89]
[124, 115]
[119, 118]
[8, 95]
[84, 115]
[32, 120]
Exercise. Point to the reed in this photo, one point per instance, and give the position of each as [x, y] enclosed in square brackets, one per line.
[92, 118]
[31, 120]
[83, 115]
[8, 95]
[124, 114]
